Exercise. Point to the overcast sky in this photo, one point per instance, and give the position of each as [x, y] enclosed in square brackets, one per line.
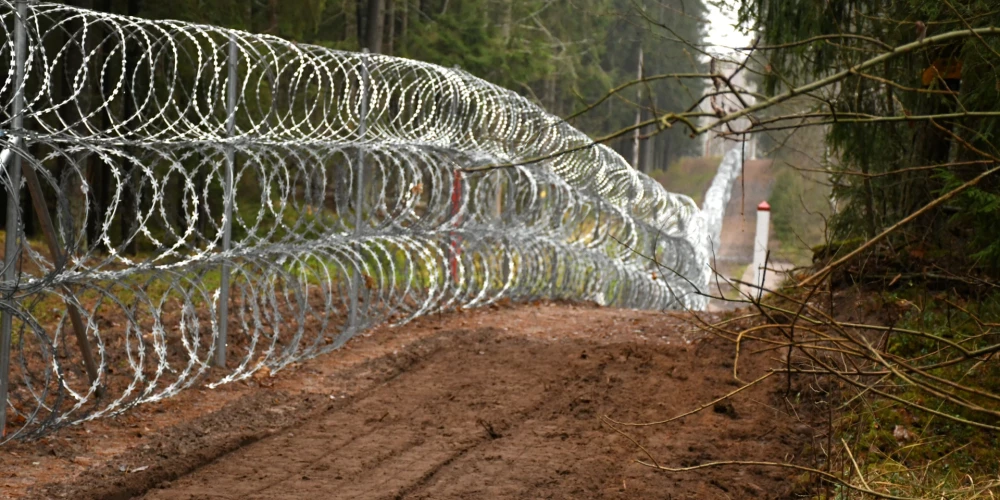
[721, 32]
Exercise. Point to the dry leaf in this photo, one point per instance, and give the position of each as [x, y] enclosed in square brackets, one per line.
[263, 376]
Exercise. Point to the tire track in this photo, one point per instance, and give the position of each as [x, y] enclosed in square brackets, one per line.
[395, 438]
[419, 427]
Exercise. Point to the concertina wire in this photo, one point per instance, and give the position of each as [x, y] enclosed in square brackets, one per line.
[357, 198]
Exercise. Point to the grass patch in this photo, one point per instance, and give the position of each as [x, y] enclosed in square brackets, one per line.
[905, 452]
[689, 175]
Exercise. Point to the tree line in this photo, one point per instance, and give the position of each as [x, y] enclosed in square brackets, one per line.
[903, 132]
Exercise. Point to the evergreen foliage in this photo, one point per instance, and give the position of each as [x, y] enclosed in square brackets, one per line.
[890, 169]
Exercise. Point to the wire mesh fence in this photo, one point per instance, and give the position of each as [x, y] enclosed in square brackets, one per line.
[187, 204]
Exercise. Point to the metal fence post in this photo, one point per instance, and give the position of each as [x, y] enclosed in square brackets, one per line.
[356, 281]
[456, 208]
[11, 245]
[504, 206]
[760, 247]
[227, 223]
[456, 194]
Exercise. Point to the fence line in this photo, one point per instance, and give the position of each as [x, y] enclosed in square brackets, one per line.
[718, 194]
[225, 199]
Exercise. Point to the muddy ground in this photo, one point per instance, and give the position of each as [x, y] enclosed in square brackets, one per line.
[495, 403]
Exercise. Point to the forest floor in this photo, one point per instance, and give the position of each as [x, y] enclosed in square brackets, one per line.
[503, 402]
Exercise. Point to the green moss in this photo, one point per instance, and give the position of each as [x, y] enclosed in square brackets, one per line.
[942, 454]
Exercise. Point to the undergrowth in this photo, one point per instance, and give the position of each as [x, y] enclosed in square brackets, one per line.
[910, 453]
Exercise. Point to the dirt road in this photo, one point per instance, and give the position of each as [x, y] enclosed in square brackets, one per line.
[740, 222]
[497, 403]
[735, 254]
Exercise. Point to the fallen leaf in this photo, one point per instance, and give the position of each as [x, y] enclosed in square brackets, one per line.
[263, 376]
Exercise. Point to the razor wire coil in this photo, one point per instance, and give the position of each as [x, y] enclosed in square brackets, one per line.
[349, 205]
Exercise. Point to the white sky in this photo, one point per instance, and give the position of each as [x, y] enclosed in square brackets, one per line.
[722, 34]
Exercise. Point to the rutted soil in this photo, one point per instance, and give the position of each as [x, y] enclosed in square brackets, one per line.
[496, 403]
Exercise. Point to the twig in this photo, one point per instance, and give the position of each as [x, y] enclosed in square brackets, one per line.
[696, 410]
[823, 474]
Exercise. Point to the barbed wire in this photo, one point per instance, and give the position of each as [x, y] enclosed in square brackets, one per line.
[350, 207]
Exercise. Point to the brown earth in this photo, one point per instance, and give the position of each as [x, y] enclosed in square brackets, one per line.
[496, 403]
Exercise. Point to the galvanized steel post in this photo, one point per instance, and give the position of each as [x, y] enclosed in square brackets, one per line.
[229, 193]
[457, 188]
[11, 245]
[357, 280]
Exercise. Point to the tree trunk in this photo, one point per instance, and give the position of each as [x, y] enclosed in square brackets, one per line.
[406, 22]
[391, 21]
[350, 27]
[29, 218]
[508, 21]
[130, 190]
[27, 214]
[272, 17]
[638, 117]
[72, 210]
[200, 180]
[649, 155]
[359, 14]
[376, 25]
[99, 172]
